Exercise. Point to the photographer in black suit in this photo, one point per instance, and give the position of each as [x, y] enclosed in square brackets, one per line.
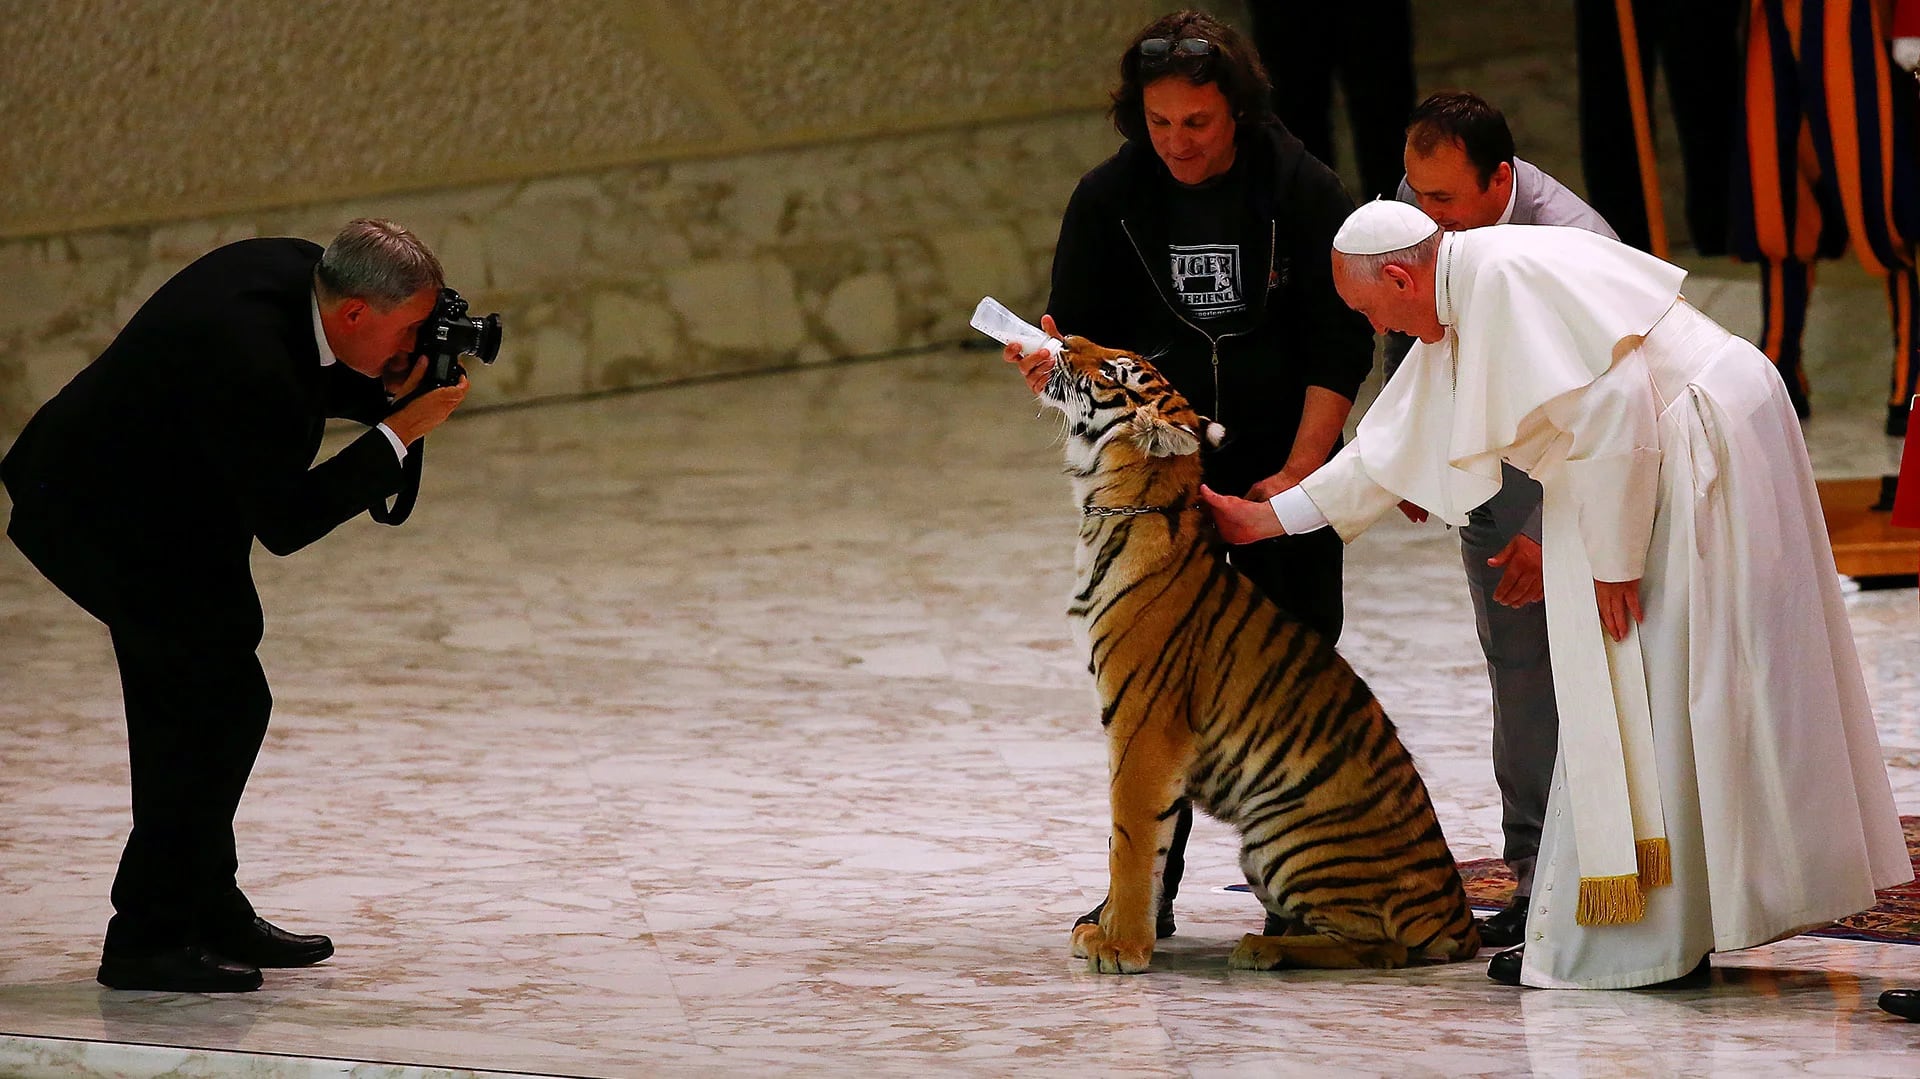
[139, 490]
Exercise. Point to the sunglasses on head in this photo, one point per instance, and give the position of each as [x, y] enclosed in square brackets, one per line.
[1158, 52]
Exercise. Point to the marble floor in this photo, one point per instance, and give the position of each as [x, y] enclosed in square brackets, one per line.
[734, 728]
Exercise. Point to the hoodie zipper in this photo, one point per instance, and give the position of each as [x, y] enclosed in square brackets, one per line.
[1213, 343]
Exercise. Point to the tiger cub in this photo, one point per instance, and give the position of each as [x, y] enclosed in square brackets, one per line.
[1208, 691]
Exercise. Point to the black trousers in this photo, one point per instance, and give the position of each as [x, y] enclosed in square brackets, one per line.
[195, 720]
[1303, 575]
[1368, 46]
[196, 707]
[1697, 44]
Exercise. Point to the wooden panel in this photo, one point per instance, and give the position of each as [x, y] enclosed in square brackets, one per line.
[1865, 543]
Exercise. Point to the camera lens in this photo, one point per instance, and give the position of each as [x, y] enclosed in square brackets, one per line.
[491, 332]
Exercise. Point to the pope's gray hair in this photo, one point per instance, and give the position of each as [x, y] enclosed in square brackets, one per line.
[379, 262]
[1368, 267]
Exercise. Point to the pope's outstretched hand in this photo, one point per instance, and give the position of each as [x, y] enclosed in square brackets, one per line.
[1239, 520]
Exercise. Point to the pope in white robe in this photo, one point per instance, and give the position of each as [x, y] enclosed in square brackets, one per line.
[1719, 782]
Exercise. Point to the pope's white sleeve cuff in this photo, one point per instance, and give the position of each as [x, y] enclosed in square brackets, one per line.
[399, 447]
[1297, 513]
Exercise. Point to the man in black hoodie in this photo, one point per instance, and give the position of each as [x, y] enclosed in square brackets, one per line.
[1204, 244]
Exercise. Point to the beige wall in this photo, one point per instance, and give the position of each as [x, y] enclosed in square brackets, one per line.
[132, 111]
[639, 274]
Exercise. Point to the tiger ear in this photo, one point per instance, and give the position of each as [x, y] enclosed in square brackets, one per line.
[1212, 432]
[1158, 436]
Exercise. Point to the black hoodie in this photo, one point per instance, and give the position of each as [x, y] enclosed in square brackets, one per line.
[1112, 285]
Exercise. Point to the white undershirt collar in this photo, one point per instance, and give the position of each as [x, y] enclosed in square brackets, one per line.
[1443, 278]
[327, 358]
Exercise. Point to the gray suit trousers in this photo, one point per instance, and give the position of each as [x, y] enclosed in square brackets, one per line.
[1526, 725]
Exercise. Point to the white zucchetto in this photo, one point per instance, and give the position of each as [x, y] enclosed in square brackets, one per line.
[1381, 226]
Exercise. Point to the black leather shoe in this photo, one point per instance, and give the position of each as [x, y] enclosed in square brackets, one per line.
[1504, 967]
[1904, 1003]
[189, 968]
[1163, 926]
[264, 944]
[1699, 977]
[1508, 927]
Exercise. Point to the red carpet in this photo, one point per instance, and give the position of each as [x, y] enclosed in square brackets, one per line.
[1895, 919]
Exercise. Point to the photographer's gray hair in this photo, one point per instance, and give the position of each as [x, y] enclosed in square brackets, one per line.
[377, 261]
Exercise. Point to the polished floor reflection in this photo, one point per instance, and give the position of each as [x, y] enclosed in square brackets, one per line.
[735, 728]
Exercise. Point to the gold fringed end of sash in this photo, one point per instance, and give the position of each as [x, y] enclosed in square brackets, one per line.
[1656, 862]
[1610, 901]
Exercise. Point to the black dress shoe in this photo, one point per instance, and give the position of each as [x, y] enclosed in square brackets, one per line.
[1163, 926]
[188, 968]
[1508, 927]
[1699, 977]
[1904, 1003]
[1504, 967]
[264, 944]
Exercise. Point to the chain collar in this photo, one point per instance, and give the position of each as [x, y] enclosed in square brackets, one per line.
[1134, 511]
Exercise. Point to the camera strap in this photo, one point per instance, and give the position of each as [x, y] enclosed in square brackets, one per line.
[409, 489]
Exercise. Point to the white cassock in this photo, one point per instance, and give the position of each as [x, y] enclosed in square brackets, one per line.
[1730, 733]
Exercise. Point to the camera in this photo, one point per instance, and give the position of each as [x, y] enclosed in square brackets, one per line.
[449, 334]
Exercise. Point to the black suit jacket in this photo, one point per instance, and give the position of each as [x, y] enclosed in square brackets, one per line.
[140, 487]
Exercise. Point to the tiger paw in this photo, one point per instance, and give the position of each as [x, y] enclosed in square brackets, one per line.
[1256, 952]
[1107, 956]
[1080, 934]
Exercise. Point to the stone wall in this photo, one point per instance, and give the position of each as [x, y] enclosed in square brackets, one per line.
[645, 273]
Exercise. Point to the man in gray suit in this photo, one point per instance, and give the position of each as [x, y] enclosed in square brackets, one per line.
[1461, 170]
